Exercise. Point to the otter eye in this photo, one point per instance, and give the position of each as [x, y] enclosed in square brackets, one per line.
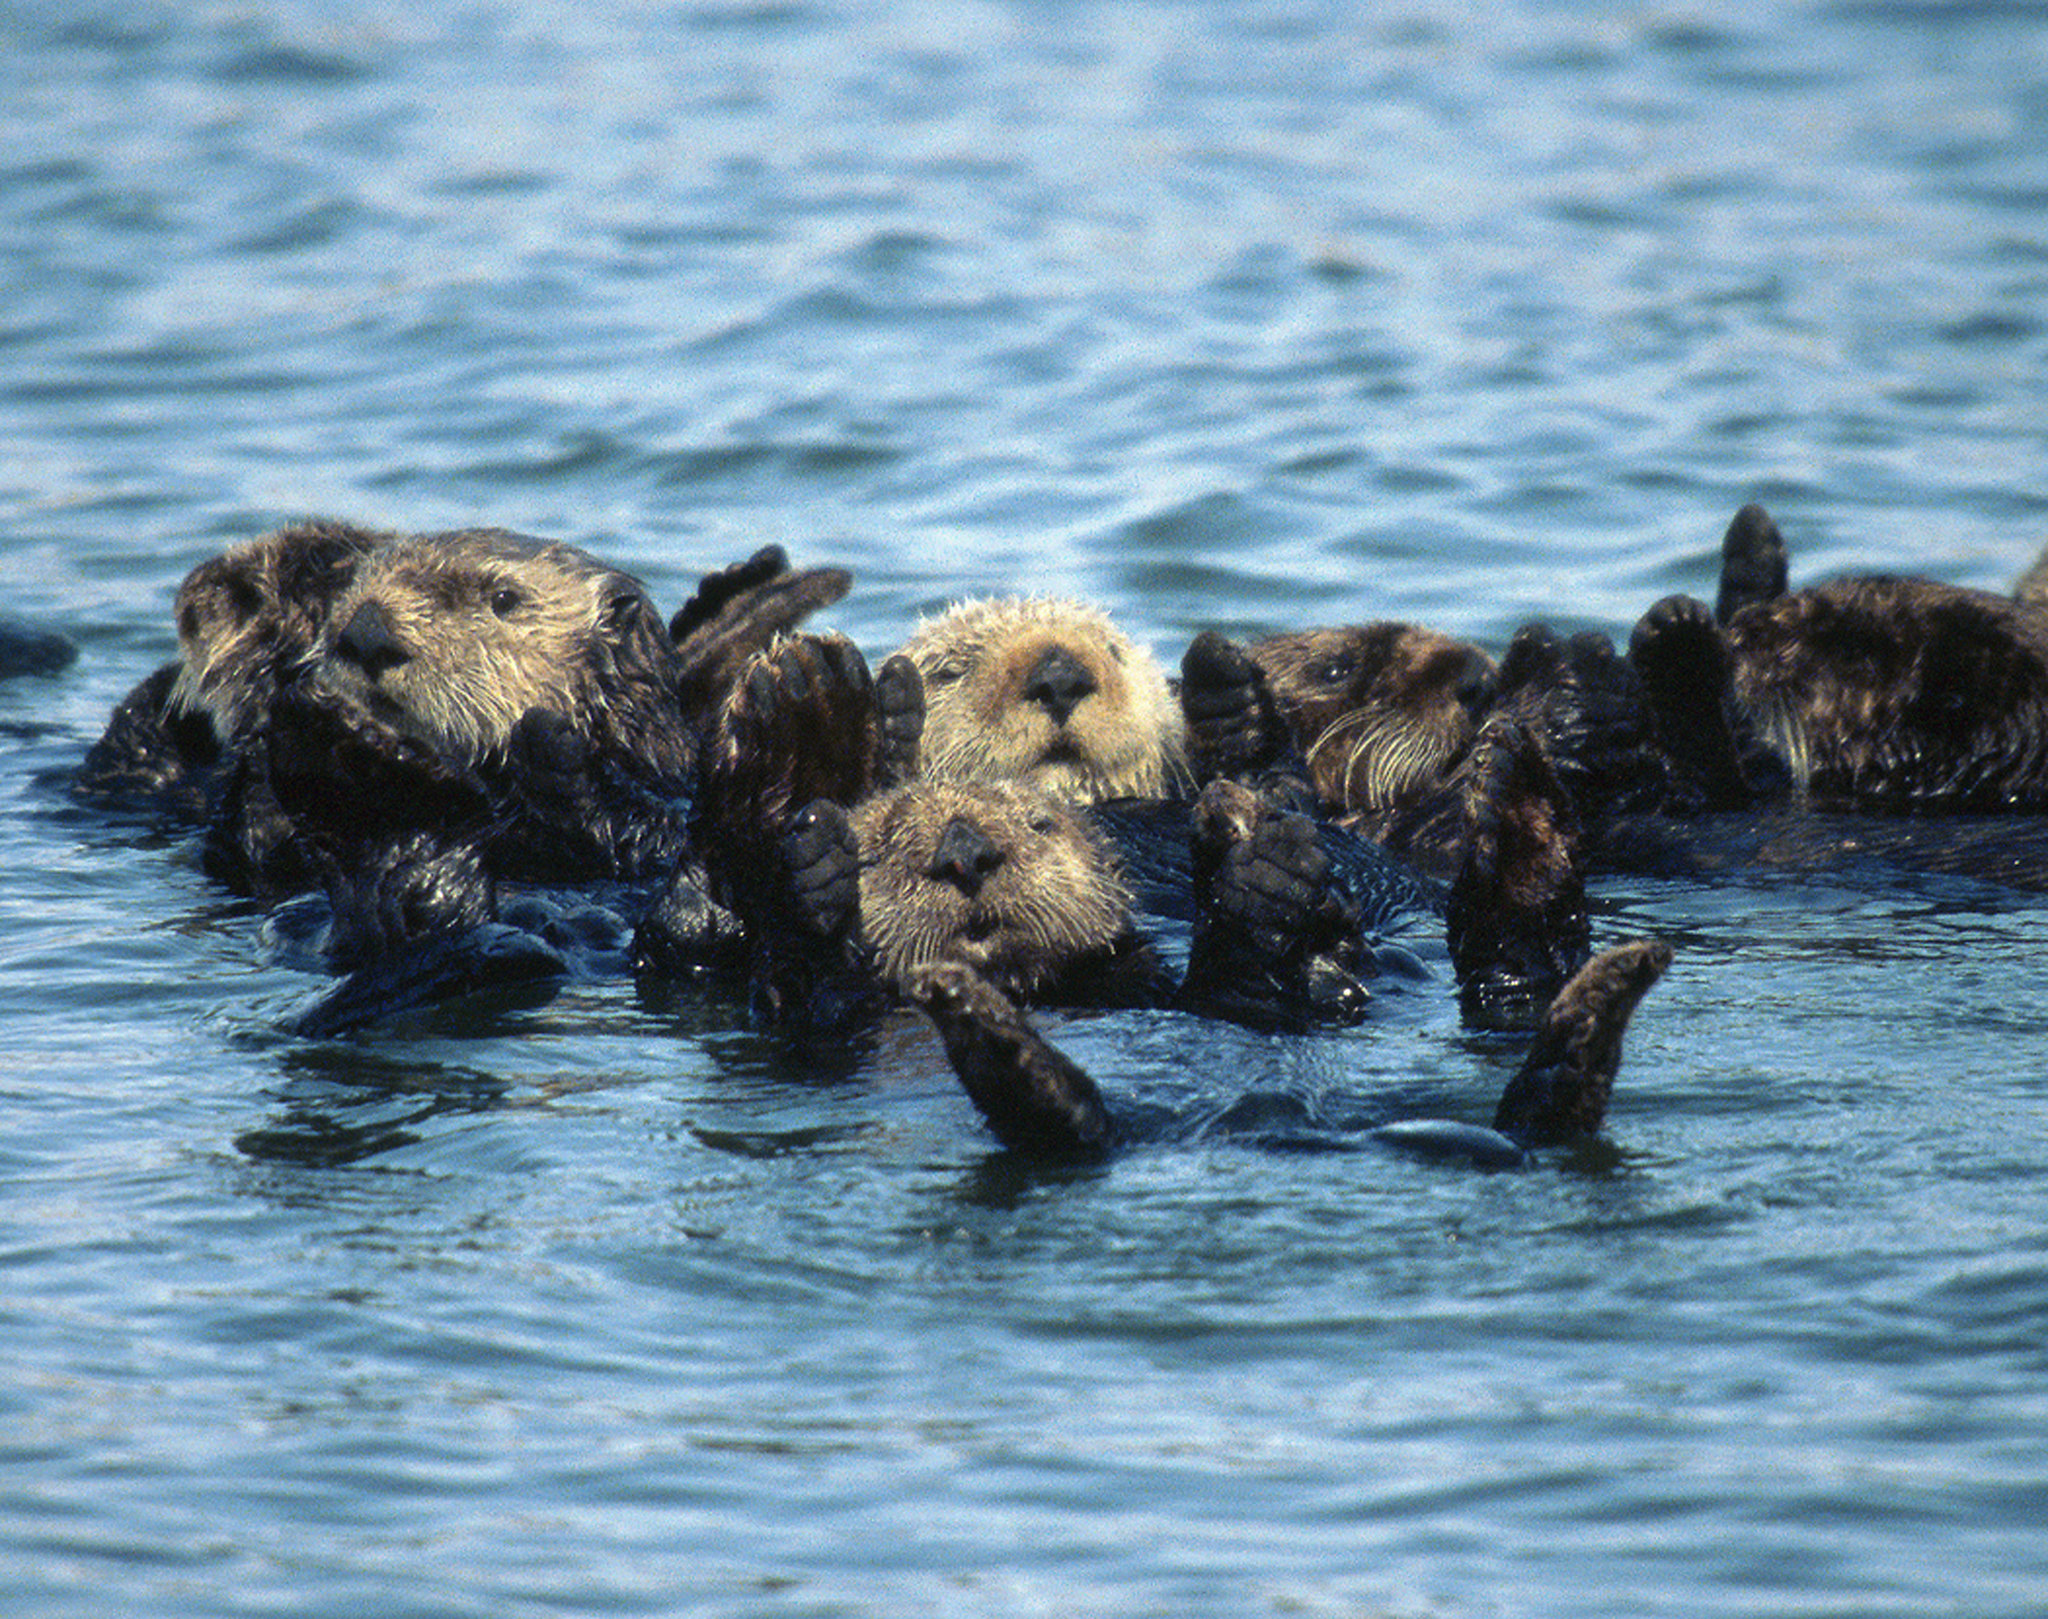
[1334, 671]
[944, 674]
[505, 601]
[1042, 824]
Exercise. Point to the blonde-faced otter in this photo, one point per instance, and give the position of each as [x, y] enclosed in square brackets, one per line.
[1050, 693]
[848, 871]
[1038, 1101]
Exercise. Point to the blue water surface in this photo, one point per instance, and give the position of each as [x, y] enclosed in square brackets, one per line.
[1235, 315]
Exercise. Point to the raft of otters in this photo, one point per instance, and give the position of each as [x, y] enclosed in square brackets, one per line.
[500, 764]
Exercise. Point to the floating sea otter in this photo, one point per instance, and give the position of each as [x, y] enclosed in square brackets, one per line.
[1038, 1101]
[850, 870]
[1049, 693]
[1863, 693]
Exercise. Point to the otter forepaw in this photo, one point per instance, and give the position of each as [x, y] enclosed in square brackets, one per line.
[1234, 725]
[899, 708]
[346, 777]
[1515, 919]
[822, 857]
[1753, 567]
[1273, 946]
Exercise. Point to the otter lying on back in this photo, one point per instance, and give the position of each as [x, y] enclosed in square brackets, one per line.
[1864, 693]
[1038, 1101]
[849, 871]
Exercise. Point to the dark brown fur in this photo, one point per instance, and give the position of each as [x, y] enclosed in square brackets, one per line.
[1380, 711]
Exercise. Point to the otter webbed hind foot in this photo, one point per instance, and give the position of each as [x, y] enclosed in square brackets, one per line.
[1274, 946]
[1034, 1097]
[504, 966]
[1516, 917]
[1566, 1080]
[737, 612]
[1753, 567]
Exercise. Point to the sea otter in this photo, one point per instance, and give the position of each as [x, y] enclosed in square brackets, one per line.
[1487, 824]
[1047, 692]
[1861, 693]
[849, 871]
[1037, 1101]
[245, 620]
[1379, 711]
[550, 673]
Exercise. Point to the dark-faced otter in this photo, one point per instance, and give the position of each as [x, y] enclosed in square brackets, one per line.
[1050, 693]
[1380, 712]
[1037, 1101]
[849, 871]
[245, 619]
[1862, 693]
[1486, 822]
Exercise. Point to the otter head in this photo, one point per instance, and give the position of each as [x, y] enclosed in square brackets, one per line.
[451, 638]
[1049, 693]
[1007, 880]
[1379, 710]
[247, 617]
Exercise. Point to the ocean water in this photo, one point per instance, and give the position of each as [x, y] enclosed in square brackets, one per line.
[1248, 316]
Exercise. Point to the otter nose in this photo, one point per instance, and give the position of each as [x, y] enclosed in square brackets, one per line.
[1477, 687]
[1058, 682]
[965, 855]
[368, 641]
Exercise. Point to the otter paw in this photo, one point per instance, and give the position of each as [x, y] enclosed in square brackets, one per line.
[347, 777]
[1034, 1097]
[549, 759]
[1234, 725]
[1515, 919]
[1687, 671]
[1565, 1082]
[1753, 567]
[899, 709]
[822, 858]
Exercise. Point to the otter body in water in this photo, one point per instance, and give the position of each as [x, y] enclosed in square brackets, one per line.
[1036, 1100]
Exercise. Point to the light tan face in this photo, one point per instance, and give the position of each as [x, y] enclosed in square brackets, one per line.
[451, 638]
[1005, 879]
[1378, 710]
[1048, 693]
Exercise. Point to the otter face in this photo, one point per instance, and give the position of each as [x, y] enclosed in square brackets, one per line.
[1011, 882]
[1378, 709]
[450, 638]
[250, 614]
[1049, 693]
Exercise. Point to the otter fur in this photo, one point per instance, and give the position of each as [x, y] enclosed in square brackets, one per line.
[1881, 692]
[1048, 692]
[849, 870]
[246, 620]
[1038, 1101]
[1379, 711]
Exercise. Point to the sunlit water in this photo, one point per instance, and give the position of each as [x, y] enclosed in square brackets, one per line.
[1250, 316]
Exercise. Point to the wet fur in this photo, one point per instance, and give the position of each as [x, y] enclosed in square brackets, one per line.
[1380, 711]
[981, 663]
